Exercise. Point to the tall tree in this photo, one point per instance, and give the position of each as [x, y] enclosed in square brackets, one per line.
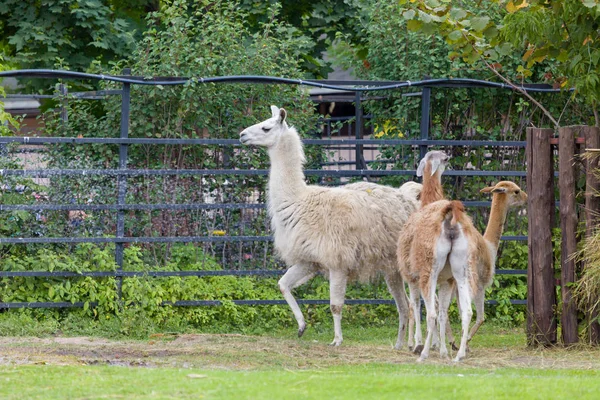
[565, 31]
[71, 33]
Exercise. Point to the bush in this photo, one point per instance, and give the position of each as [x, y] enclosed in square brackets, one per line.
[142, 312]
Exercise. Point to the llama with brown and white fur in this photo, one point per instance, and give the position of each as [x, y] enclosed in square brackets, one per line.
[448, 248]
[431, 167]
[344, 233]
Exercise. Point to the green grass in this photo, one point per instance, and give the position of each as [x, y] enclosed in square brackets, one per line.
[364, 382]
[44, 361]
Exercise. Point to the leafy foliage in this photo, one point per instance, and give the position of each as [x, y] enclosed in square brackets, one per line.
[141, 310]
[564, 32]
[182, 41]
[75, 31]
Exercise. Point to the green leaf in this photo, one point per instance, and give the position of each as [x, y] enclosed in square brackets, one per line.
[409, 14]
[504, 49]
[414, 25]
[490, 32]
[457, 13]
[589, 3]
[479, 23]
[429, 29]
[426, 18]
[455, 35]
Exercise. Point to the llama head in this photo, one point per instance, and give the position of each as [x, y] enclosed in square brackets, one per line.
[267, 132]
[436, 159]
[514, 195]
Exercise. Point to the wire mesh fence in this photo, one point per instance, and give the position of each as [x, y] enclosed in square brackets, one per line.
[157, 192]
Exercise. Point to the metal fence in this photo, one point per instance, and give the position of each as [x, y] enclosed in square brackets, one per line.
[122, 173]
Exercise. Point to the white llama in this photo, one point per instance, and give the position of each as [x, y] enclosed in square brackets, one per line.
[344, 233]
[447, 248]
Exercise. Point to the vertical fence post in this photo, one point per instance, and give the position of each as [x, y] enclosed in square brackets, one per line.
[121, 179]
[592, 208]
[568, 227]
[541, 292]
[64, 113]
[425, 118]
[360, 160]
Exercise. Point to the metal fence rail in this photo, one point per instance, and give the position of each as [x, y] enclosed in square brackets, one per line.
[123, 172]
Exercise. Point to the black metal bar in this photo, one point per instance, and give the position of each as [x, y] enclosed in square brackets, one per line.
[137, 239]
[425, 119]
[236, 142]
[358, 133]
[44, 173]
[194, 303]
[122, 179]
[146, 207]
[128, 274]
[368, 86]
[161, 239]
[64, 113]
[169, 207]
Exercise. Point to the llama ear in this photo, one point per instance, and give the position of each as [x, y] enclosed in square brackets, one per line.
[435, 163]
[421, 167]
[493, 190]
[282, 115]
[274, 111]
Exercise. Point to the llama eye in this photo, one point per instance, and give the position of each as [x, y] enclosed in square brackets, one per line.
[265, 129]
[517, 191]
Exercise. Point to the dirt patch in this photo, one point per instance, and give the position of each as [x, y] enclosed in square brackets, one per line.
[252, 352]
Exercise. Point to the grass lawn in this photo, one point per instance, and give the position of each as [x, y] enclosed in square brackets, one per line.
[373, 381]
[279, 366]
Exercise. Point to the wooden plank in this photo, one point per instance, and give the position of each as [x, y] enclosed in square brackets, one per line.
[592, 207]
[541, 294]
[578, 140]
[568, 227]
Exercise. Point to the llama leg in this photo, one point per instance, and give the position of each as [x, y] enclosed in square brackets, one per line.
[479, 301]
[435, 339]
[395, 285]
[449, 333]
[411, 328]
[428, 284]
[337, 294]
[460, 271]
[415, 304]
[295, 276]
[466, 314]
[444, 297]
[429, 298]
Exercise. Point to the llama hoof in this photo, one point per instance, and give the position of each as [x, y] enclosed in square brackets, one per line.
[398, 346]
[301, 330]
[418, 349]
[421, 359]
[454, 348]
[444, 355]
[335, 343]
[458, 359]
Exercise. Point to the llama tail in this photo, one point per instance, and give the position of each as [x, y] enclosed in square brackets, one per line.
[453, 214]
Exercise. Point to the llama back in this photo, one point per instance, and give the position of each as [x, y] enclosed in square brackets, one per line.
[360, 234]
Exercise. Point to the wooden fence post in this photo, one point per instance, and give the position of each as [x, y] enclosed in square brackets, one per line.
[541, 291]
[568, 227]
[592, 207]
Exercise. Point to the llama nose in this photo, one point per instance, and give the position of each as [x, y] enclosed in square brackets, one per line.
[242, 135]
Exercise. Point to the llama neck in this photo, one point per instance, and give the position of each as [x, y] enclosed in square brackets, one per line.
[286, 176]
[495, 224]
[432, 186]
